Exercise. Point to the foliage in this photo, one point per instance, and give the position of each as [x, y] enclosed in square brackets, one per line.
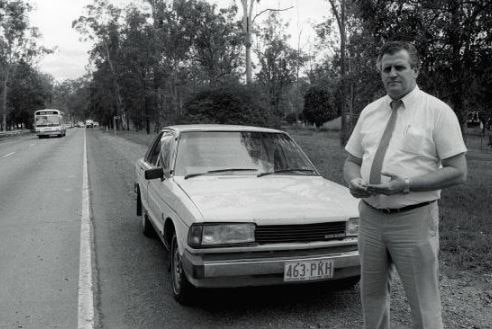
[228, 105]
[18, 43]
[279, 63]
[29, 91]
[149, 63]
[72, 97]
[453, 39]
[319, 106]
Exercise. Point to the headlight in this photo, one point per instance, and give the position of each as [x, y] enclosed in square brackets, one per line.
[353, 226]
[218, 234]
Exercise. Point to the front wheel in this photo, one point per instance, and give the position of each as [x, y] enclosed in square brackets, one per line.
[147, 228]
[183, 290]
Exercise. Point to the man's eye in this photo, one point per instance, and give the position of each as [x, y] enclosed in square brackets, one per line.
[400, 68]
[387, 69]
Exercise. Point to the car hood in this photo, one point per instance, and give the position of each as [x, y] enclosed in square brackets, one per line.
[269, 199]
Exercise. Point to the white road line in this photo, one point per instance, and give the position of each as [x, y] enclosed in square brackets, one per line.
[7, 155]
[86, 302]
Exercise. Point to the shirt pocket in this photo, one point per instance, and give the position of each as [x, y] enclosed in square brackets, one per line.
[416, 141]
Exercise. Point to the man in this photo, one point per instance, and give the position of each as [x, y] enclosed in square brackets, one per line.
[405, 147]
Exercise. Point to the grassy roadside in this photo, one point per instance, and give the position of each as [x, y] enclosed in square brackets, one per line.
[465, 228]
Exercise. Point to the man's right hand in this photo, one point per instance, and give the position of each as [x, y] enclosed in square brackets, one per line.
[358, 189]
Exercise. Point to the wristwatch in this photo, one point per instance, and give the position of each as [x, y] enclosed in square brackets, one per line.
[406, 189]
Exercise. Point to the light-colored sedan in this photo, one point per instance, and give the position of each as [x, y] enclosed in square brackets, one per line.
[244, 206]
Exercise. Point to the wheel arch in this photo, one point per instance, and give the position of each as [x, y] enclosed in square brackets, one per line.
[169, 230]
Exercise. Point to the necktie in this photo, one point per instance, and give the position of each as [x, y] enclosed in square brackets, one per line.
[377, 163]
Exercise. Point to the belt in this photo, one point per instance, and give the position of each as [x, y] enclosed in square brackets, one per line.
[399, 210]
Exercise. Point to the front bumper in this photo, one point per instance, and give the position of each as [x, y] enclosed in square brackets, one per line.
[263, 268]
[50, 133]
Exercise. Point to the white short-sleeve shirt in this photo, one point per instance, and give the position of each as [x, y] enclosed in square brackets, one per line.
[427, 131]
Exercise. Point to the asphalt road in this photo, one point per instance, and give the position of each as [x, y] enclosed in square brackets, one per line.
[40, 214]
[40, 198]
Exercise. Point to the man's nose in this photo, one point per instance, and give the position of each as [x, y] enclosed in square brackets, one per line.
[392, 72]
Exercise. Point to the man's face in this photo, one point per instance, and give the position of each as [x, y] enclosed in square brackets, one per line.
[399, 78]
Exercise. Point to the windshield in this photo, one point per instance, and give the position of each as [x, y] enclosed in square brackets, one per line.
[47, 120]
[245, 153]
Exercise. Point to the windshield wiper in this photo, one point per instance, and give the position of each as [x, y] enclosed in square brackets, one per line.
[284, 170]
[219, 171]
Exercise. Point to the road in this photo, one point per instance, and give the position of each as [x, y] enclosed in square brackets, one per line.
[40, 189]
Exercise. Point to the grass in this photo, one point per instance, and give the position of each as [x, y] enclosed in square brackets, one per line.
[466, 210]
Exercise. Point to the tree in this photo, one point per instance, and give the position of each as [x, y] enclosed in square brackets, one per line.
[278, 61]
[319, 106]
[228, 105]
[17, 43]
[101, 25]
[247, 23]
[338, 9]
[29, 90]
[453, 38]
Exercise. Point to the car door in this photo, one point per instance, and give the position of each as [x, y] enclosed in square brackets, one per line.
[149, 161]
[159, 196]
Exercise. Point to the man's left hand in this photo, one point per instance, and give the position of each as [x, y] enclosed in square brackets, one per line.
[396, 185]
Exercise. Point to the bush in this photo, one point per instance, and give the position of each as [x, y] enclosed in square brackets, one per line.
[319, 106]
[236, 104]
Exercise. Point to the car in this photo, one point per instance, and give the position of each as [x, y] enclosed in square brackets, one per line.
[243, 206]
[89, 123]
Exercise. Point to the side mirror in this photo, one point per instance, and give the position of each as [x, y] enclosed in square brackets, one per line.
[154, 173]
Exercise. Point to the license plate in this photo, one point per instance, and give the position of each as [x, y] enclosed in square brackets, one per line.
[309, 270]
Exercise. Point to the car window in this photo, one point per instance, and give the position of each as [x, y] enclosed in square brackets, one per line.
[153, 152]
[212, 150]
[167, 150]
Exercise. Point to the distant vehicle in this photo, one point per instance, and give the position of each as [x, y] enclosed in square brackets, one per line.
[96, 124]
[80, 124]
[244, 206]
[49, 122]
[89, 123]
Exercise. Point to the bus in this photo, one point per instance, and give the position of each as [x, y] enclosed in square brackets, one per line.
[49, 122]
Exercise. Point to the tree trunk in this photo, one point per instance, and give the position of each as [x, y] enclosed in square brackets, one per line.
[3, 101]
[247, 12]
[119, 102]
[340, 16]
[4, 105]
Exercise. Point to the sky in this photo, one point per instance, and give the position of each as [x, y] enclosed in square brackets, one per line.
[54, 20]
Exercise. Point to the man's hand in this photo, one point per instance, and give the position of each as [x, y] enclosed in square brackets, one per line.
[358, 189]
[395, 185]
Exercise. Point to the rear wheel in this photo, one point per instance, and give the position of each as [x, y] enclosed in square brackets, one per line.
[183, 290]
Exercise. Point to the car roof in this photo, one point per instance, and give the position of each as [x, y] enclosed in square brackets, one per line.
[220, 127]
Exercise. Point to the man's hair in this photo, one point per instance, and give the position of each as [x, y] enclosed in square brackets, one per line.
[392, 47]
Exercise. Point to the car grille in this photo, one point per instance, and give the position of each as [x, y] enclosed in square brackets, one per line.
[300, 233]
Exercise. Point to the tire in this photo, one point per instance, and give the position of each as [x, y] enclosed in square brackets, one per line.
[139, 203]
[183, 290]
[147, 228]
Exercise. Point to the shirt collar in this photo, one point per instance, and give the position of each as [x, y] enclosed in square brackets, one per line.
[407, 99]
